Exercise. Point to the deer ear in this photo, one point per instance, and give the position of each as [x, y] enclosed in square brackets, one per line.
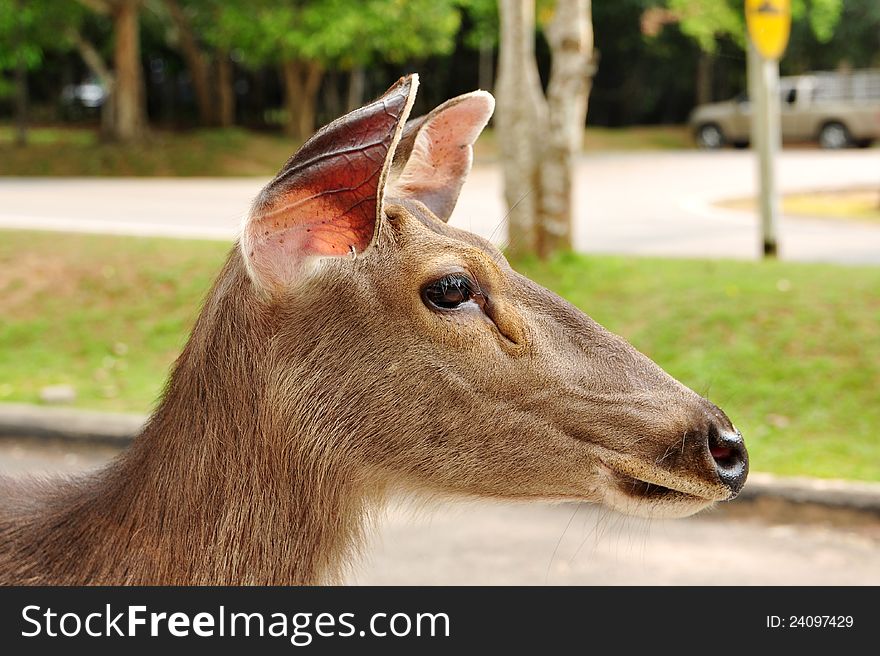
[327, 199]
[436, 152]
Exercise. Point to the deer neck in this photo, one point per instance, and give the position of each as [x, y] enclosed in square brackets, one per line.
[216, 489]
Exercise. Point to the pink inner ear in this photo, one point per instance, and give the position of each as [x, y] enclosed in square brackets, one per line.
[442, 154]
[331, 209]
[327, 198]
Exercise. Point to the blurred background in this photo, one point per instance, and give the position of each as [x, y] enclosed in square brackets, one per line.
[176, 66]
[135, 133]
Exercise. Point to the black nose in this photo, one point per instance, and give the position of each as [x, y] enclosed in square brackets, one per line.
[731, 458]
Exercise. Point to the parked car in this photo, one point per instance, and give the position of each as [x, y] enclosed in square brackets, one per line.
[836, 109]
[90, 94]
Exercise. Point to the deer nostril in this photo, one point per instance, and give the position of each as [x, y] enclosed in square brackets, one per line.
[721, 454]
[731, 458]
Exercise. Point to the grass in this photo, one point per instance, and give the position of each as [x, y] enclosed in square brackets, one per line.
[599, 139]
[104, 314]
[790, 351]
[860, 203]
[63, 151]
[654, 137]
[80, 152]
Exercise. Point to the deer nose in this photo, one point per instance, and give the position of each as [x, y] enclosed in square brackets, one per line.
[731, 458]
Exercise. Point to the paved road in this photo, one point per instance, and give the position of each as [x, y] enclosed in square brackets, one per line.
[641, 203]
[482, 543]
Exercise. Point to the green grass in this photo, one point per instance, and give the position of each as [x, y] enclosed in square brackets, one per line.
[79, 152]
[599, 139]
[104, 314]
[790, 351]
[64, 151]
[639, 137]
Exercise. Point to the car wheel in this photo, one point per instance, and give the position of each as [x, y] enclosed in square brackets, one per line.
[865, 143]
[834, 136]
[710, 137]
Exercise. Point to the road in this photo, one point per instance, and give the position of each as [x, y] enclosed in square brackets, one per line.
[500, 544]
[647, 203]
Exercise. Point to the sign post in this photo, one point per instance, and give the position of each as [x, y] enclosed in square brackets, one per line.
[769, 24]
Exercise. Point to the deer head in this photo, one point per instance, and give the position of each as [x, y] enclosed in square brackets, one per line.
[414, 353]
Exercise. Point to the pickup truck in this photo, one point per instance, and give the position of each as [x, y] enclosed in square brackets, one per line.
[836, 109]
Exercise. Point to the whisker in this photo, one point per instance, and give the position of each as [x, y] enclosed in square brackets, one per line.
[509, 212]
[559, 542]
[603, 515]
[510, 240]
[665, 455]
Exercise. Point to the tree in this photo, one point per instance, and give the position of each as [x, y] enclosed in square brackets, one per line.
[483, 36]
[19, 52]
[195, 58]
[707, 21]
[206, 32]
[540, 135]
[126, 113]
[28, 30]
[304, 38]
[854, 39]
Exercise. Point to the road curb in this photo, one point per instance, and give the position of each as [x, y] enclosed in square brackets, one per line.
[82, 426]
[835, 493]
[118, 429]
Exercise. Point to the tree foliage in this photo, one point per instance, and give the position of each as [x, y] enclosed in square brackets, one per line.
[483, 20]
[641, 78]
[335, 33]
[855, 40]
[705, 21]
[31, 28]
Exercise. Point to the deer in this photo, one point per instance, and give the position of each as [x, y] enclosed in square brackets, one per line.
[356, 346]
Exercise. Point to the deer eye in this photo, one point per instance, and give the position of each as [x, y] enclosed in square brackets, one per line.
[449, 292]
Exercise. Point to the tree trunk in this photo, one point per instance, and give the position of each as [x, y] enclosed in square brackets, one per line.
[356, 84]
[196, 62]
[705, 65]
[225, 90]
[332, 101]
[21, 105]
[130, 122]
[521, 120]
[301, 82]
[21, 88]
[570, 35]
[486, 70]
[539, 137]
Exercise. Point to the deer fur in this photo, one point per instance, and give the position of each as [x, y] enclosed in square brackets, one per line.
[316, 382]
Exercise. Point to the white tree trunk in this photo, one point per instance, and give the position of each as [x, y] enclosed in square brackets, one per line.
[539, 138]
[570, 35]
[520, 121]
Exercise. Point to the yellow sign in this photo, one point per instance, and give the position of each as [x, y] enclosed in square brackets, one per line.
[769, 23]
